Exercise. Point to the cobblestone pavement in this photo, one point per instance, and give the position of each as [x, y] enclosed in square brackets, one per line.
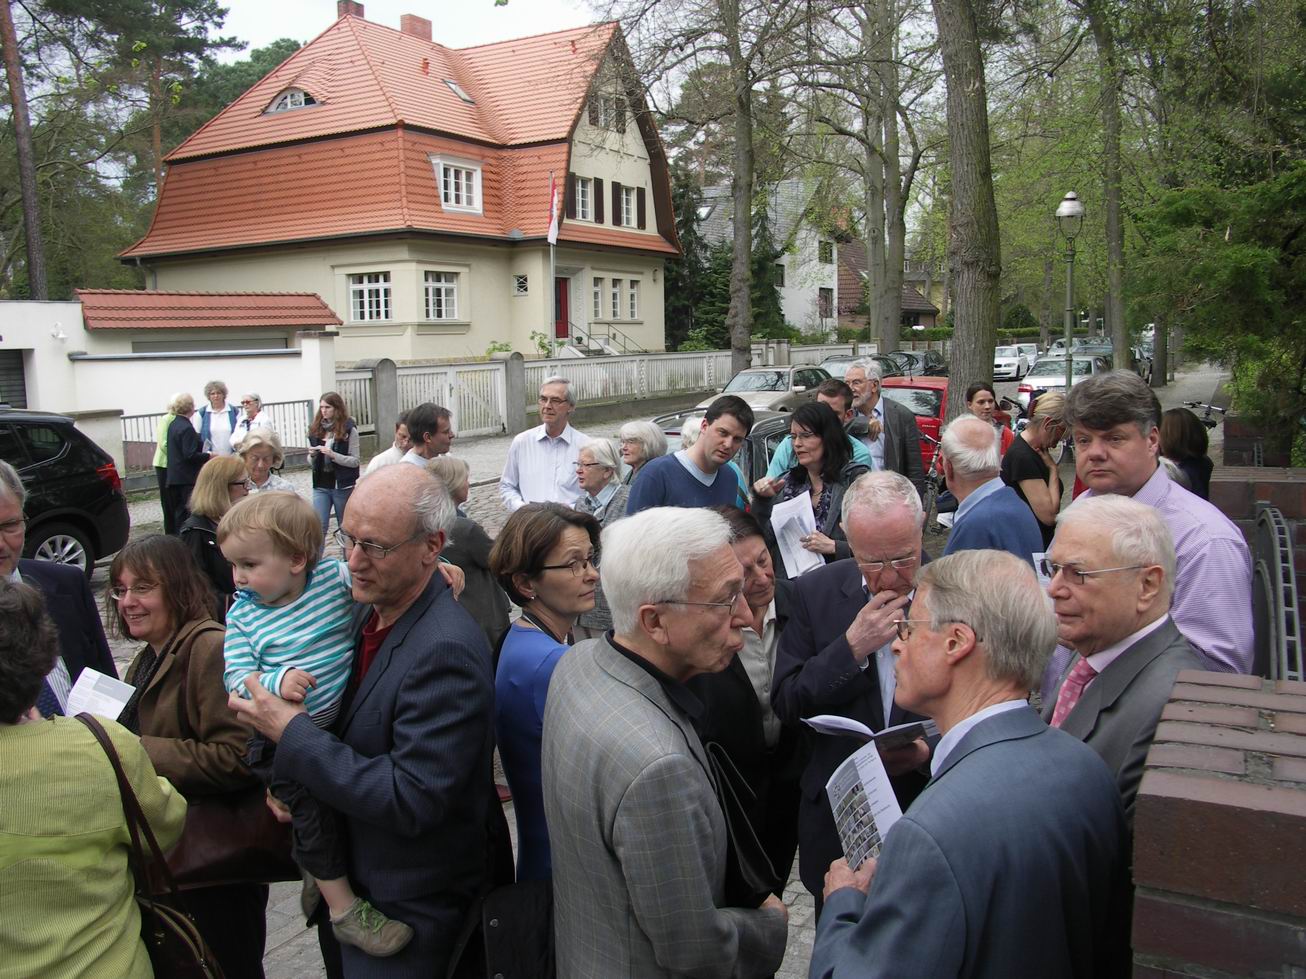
[292, 951]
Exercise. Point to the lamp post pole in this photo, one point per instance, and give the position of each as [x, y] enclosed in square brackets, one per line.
[1070, 218]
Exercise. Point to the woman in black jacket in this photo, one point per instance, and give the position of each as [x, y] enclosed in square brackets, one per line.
[221, 483]
[185, 457]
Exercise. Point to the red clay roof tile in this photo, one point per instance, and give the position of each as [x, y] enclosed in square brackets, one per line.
[119, 309]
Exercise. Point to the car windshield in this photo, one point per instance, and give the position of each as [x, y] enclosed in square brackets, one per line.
[1006, 352]
[922, 401]
[1057, 368]
[836, 368]
[758, 381]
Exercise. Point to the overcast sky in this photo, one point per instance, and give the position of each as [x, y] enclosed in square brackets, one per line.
[260, 22]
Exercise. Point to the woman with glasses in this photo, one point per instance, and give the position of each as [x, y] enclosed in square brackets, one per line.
[261, 452]
[823, 469]
[220, 484]
[1028, 466]
[640, 442]
[599, 474]
[158, 597]
[545, 560]
[252, 417]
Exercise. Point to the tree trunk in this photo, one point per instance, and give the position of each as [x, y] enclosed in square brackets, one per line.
[1045, 310]
[739, 316]
[895, 227]
[873, 200]
[1109, 74]
[974, 247]
[1161, 352]
[156, 123]
[35, 242]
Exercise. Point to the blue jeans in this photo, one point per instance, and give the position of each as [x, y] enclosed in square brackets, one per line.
[324, 499]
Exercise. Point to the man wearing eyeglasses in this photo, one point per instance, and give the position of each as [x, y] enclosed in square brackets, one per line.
[67, 600]
[541, 464]
[637, 835]
[1112, 567]
[408, 763]
[836, 656]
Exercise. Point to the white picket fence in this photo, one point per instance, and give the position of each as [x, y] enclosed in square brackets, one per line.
[636, 377]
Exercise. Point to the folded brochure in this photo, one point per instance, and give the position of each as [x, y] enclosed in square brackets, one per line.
[863, 804]
[890, 737]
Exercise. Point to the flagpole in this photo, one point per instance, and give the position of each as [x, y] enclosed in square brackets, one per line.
[553, 263]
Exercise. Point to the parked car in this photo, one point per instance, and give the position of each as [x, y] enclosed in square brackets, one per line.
[927, 399]
[913, 363]
[1030, 350]
[1058, 347]
[837, 366]
[1049, 374]
[769, 430]
[773, 388]
[76, 511]
[1009, 364]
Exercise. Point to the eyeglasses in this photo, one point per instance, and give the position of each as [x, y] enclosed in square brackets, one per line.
[733, 601]
[12, 528]
[552, 402]
[577, 567]
[632, 442]
[1052, 569]
[247, 402]
[898, 564]
[591, 465]
[374, 551]
[904, 627]
[119, 594]
[238, 482]
[805, 437]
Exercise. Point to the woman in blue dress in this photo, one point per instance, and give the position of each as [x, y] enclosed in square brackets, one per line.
[545, 560]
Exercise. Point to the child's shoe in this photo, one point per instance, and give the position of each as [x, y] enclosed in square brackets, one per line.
[370, 931]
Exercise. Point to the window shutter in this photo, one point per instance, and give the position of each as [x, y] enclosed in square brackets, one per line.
[598, 200]
[616, 204]
[639, 207]
[594, 112]
[621, 115]
[569, 209]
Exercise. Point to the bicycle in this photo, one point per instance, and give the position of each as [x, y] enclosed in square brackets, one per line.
[931, 497]
[1205, 418]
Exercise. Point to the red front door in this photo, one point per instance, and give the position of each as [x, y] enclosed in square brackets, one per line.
[560, 307]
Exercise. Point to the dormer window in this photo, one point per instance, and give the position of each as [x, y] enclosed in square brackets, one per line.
[291, 98]
[459, 181]
[459, 91]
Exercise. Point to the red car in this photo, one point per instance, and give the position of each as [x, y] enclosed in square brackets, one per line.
[927, 398]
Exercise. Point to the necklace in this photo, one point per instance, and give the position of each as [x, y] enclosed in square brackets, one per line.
[534, 620]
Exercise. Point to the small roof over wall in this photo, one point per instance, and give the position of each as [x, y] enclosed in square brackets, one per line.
[137, 309]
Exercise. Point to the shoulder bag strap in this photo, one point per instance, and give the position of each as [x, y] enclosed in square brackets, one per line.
[183, 723]
[137, 825]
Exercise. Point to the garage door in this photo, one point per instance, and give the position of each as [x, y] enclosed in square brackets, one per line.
[13, 387]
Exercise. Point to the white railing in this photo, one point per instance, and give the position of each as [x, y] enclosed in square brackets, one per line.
[290, 419]
[356, 388]
[475, 393]
[815, 354]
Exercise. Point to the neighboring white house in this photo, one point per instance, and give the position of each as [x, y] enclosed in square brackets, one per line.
[409, 185]
[807, 274]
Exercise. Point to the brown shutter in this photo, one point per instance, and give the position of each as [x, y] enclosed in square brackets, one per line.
[616, 204]
[594, 112]
[598, 200]
[639, 207]
[569, 209]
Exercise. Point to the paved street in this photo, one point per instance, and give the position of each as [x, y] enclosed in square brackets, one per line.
[292, 951]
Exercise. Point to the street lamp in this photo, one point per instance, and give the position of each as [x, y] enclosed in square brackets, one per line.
[1070, 218]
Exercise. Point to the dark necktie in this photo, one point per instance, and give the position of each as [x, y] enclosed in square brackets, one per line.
[46, 702]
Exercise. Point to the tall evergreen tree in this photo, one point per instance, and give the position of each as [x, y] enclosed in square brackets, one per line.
[768, 318]
[684, 281]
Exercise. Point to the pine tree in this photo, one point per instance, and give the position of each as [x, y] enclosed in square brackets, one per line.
[684, 281]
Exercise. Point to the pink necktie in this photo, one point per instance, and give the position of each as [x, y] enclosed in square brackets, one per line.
[1071, 690]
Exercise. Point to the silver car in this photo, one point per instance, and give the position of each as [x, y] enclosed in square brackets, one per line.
[773, 388]
[1049, 374]
[1030, 350]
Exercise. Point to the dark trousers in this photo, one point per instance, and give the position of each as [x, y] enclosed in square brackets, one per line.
[317, 832]
[233, 920]
[178, 500]
[170, 525]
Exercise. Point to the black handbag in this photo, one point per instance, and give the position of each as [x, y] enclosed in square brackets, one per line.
[173, 942]
[750, 878]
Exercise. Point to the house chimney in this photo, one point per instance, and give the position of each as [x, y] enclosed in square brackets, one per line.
[349, 8]
[416, 26]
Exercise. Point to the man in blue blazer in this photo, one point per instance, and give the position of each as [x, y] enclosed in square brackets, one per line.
[67, 599]
[990, 514]
[409, 761]
[834, 656]
[1011, 862]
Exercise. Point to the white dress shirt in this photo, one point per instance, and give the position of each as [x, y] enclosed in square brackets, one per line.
[541, 468]
[758, 658]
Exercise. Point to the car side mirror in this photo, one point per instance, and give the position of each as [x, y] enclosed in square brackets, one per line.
[1006, 404]
[799, 388]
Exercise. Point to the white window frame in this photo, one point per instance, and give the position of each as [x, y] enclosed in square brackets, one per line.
[821, 247]
[598, 297]
[628, 204]
[289, 100]
[521, 284]
[615, 293]
[440, 294]
[370, 297]
[585, 198]
[632, 293]
[450, 187]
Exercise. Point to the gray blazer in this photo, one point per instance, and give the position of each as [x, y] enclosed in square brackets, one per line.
[1010, 863]
[1118, 712]
[638, 839]
[902, 441]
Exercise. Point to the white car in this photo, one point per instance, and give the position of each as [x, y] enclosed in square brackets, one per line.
[1009, 364]
[1030, 350]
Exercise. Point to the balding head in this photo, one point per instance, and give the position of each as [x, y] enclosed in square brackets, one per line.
[970, 454]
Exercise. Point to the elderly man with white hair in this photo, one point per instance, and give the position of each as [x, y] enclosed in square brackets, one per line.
[991, 514]
[541, 464]
[636, 831]
[885, 427]
[1112, 568]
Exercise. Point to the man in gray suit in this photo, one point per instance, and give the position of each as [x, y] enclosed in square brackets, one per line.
[1112, 565]
[638, 838]
[1010, 863]
[885, 427]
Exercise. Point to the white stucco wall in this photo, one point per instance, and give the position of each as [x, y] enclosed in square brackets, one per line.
[805, 276]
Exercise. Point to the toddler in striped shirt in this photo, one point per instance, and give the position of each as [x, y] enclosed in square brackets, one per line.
[291, 629]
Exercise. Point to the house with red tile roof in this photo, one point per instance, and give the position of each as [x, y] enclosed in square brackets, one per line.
[916, 309]
[409, 185]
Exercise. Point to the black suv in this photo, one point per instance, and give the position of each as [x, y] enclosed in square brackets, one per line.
[76, 512]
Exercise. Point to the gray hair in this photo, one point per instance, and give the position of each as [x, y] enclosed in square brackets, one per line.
[1138, 534]
[1176, 474]
[969, 444]
[647, 435]
[254, 396]
[604, 452]
[11, 484]
[215, 386]
[566, 386]
[881, 492]
[433, 506]
[634, 574]
[263, 436]
[1114, 398]
[181, 403]
[449, 470]
[997, 595]
[870, 366]
[691, 427]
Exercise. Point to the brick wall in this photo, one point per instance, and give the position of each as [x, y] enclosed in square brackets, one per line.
[1240, 438]
[1220, 832]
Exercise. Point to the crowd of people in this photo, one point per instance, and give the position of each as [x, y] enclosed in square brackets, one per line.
[648, 699]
